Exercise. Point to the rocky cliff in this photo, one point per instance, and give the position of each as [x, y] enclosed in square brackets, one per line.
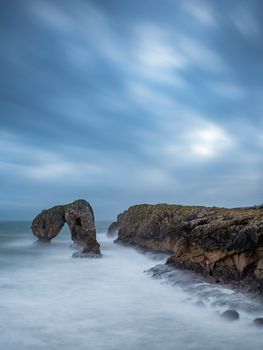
[225, 245]
[80, 218]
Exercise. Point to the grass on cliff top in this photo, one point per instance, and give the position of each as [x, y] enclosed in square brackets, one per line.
[140, 212]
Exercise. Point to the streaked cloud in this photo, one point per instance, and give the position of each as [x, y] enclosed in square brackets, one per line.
[210, 142]
[155, 56]
[201, 11]
[121, 106]
[41, 165]
[188, 141]
[245, 21]
[228, 90]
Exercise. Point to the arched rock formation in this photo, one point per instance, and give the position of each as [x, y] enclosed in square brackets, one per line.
[80, 219]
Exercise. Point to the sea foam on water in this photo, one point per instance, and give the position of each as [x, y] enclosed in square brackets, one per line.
[49, 300]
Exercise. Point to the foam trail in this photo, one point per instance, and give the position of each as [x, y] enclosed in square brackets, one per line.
[48, 300]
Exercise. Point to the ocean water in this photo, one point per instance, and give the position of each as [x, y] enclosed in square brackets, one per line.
[49, 300]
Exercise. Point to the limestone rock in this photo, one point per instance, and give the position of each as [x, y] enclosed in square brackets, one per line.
[259, 269]
[226, 245]
[80, 218]
[48, 223]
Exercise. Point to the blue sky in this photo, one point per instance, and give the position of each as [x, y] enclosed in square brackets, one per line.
[123, 102]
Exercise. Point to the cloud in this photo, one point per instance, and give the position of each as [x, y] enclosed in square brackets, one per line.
[65, 171]
[147, 97]
[146, 50]
[260, 141]
[245, 22]
[201, 11]
[228, 90]
[198, 144]
[209, 142]
[120, 105]
[51, 14]
[43, 166]
[149, 177]
[162, 55]
[85, 31]
[155, 56]
[201, 56]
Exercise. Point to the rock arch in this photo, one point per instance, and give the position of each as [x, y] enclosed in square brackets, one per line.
[80, 219]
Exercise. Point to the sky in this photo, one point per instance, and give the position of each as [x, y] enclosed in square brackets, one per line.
[124, 102]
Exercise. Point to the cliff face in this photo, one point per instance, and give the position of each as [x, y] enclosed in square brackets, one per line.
[224, 244]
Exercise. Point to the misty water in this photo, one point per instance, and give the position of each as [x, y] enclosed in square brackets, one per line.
[49, 300]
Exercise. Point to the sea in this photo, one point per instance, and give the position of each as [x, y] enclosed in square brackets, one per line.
[125, 300]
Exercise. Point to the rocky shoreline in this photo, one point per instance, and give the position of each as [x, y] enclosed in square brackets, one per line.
[224, 245]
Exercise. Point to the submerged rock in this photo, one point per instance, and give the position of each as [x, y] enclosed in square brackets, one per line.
[82, 254]
[230, 315]
[258, 322]
[225, 245]
[80, 218]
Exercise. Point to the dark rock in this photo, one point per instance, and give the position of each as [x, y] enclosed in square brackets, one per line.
[49, 223]
[80, 218]
[113, 229]
[82, 254]
[230, 315]
[258, 322]
[225, 245]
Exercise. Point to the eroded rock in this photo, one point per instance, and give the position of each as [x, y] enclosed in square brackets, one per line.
[226, 245]
[49, 223]
[80, 218]
[113, 229]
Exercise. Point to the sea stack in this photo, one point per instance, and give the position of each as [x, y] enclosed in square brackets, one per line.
[225, 245]
[80, 218]
[114, 227]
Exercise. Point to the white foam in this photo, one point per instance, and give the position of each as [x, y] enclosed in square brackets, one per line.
[53, 301]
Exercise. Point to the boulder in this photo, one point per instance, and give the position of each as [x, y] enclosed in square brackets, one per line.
[258, 322]
[230, 315]
[80, 219]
